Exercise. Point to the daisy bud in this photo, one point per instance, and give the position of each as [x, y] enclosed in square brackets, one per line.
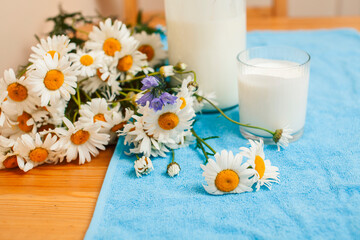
[180, 66]
[167, 71]
[282, 137]
[173, 169]
[193, 86]
[143, 166]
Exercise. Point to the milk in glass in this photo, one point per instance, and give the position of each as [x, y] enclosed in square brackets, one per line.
[273, 95]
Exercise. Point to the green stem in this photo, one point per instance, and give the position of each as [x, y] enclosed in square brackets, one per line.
[193, 72]
[122, 93]
[75, 100]
[74, 118]
[121, 100]
[241, 124]
[137, 156]
[132, 89]
[97, 94]
[87, 96]
[78, 96]
[140, 77]
[203, 150]
[173, 155]
[202, 140]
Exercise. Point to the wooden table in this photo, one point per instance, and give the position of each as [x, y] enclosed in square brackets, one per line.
[57, 202]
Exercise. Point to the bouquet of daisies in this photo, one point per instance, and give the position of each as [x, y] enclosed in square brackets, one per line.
[74, 98]
[78, 95]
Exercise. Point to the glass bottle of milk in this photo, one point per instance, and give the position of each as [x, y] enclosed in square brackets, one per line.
[207, 35]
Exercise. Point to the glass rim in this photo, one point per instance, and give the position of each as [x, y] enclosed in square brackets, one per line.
[306, 54]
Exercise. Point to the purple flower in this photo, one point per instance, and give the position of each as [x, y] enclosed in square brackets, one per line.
[147, 97]
[149, 82]
[167, 98]
[156, 104]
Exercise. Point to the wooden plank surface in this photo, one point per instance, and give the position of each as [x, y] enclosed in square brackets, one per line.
[57, 202]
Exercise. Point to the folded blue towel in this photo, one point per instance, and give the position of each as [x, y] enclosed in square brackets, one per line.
[319, 193]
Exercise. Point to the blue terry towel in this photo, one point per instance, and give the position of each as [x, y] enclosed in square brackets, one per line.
[319, 193]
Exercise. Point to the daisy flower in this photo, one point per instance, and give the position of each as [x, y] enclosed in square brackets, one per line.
[143, 166]
[151, 46]
[56, 44]
[18, 97]
[227, 174]
[33, 151]
[167, 71]
[128, 61]
[186, 92]
[95, 111]
[103, 80]
[200, 103]
[52, 80]
[173, 169]
[86, 63]
[23, 124]
[8, 159]
[4, 116]
[82, 141]
[167, 123]
[117, 121]
[56, 111]
[265, 172]
[143, 142]
[282, 137]
[110, 38]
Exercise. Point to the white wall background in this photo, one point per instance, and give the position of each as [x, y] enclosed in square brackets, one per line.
[21, 19]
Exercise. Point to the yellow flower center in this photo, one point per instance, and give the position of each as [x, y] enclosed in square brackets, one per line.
[110, 46]
[125, 63]
[17, 92]
[38, 154]
[52, 53]
[54, 79]
[183, 104]
[227, 180]
[22, 119]
[10, 162]
[99, 74]
[168, 121]
[148, 51]
[80, 137]
[86, 60]
[260, 166]
[117, 127]
[99, 117]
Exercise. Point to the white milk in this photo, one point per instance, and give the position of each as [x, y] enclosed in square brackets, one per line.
[273, 96]
[209, 44]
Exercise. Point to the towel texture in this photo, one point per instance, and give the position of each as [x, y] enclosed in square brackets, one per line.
[319, 193]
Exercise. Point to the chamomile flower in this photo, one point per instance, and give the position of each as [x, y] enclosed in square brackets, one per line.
[56, 111]
[56, 44]
[82, 141]
[167, 123]
[227, 174]
[117, 121]
[128, 61]
[173, 169]
[95, 111]
[143, 142]
[167, 71]
[52, 80]
[86, 63]
[4, 116]
[19, 98]
[103, 80]
[34, 151]
[152, 47]
[266, 173]
[23, 124]
[8, 159]
[143, 166]
[200, 103]
[282, 137]
[110, 38]
[186, 92]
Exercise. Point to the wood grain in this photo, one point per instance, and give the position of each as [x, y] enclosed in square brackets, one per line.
[57, 202]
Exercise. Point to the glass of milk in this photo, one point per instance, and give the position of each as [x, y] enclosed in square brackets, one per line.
[273, 87]
[207, 35]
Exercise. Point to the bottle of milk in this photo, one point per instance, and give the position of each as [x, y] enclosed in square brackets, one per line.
[207, 35]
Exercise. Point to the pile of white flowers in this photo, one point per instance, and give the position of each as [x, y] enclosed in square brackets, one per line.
[71, 101]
